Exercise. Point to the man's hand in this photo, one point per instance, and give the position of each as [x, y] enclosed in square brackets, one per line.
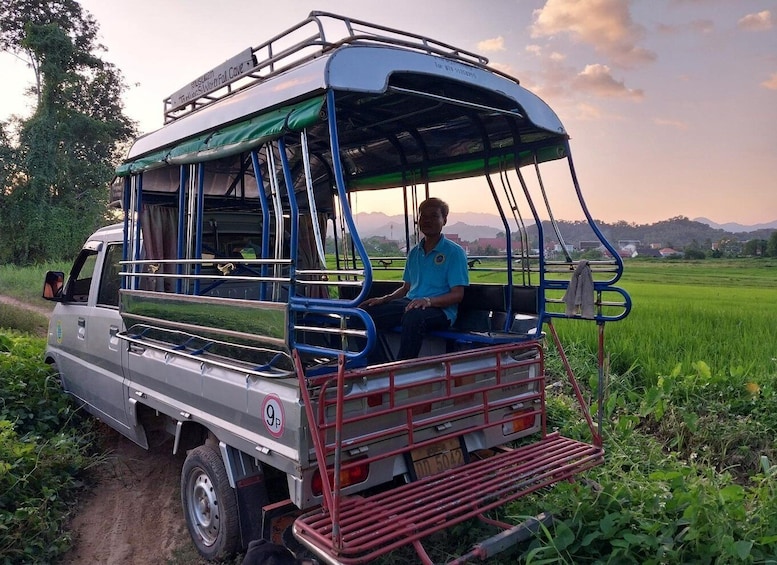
[374, 301]
[422, 303]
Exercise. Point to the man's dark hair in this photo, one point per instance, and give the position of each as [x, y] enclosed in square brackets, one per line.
[433, 202]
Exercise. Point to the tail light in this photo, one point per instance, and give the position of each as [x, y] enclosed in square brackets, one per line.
[521, 421]
[351, 475]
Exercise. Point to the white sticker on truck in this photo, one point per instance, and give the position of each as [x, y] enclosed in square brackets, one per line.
[272, 414]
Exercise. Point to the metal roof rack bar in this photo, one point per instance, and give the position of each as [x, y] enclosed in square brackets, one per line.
[293, 47]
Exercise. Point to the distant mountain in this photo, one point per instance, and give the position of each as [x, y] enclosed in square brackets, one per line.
[734, 227]
[675, 232]
[469, 226]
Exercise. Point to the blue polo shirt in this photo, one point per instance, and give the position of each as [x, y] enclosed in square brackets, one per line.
[435, 273]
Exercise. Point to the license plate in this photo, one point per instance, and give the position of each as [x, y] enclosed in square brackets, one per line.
[436, 458]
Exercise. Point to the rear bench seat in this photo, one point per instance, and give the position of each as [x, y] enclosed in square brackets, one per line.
[483, 315]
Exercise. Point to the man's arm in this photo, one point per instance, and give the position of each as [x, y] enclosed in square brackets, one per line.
[401, 292]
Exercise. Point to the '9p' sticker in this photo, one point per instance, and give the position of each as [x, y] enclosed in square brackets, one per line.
[272, 414]
[59, 331]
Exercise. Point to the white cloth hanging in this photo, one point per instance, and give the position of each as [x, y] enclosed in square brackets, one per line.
[579, 297]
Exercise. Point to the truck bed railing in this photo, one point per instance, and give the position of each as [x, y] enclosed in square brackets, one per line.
[194, 347]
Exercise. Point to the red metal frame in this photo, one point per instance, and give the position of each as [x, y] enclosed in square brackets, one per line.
[355, 529]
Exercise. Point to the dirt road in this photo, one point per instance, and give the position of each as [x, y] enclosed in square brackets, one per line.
[132, 512]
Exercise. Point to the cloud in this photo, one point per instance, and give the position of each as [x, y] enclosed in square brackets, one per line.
[598, 80]
[771, 83]
[534, 49]
[677, 124]
[505, 68]
[606, 25]
[495, 44]
[761, 21]
[695, 26]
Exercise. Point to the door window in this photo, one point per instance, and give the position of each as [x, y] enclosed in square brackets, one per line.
[81, 277]
[110, 282]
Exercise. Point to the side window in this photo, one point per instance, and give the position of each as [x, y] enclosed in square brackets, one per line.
[110, 282]
[81, 277]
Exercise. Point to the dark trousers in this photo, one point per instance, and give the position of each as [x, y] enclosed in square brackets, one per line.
[415, 323]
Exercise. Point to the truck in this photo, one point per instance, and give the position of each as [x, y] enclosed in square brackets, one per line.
[224, 309]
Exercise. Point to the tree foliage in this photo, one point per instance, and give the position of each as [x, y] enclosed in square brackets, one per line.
[771, 245]
[57, 164]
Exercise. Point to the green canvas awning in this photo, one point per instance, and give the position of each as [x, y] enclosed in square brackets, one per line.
[230, 140]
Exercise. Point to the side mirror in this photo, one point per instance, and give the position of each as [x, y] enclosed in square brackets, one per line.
[52, 287]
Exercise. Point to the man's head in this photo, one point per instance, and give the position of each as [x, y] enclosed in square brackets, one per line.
[441, 205]
[432, 216]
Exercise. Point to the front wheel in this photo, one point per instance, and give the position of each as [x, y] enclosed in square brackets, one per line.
[209, 504]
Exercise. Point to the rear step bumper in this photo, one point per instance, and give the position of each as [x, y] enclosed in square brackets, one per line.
[375, 525]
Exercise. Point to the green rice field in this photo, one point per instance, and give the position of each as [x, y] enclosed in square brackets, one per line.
[719, 312]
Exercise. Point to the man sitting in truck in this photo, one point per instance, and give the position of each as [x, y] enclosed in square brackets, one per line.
[433, 284]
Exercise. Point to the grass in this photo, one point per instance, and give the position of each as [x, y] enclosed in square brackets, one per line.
[26, 283]
[23, 320]
[718, 312]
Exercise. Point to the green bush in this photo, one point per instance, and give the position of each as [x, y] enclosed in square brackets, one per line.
[40, 454]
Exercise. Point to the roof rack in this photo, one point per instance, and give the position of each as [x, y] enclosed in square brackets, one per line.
[303, 42]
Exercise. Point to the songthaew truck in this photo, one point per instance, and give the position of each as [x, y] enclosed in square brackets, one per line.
[225, 308]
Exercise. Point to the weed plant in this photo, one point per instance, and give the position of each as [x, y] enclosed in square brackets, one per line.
[41, 454]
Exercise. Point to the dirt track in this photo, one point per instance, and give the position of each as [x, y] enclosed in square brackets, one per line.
[132, 513]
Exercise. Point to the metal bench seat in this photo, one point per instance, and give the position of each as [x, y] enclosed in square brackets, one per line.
[375, 525]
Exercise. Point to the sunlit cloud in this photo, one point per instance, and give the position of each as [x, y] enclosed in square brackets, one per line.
[505, 68]
[761, 21]
[695, 26]
[771, 83]
[606, 25]
[676, 124]
[533, 49]
[494, 44]
[598, 80]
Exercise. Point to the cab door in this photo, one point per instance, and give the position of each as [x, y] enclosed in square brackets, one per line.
[87, 322]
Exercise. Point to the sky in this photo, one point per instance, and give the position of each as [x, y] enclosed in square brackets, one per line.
[671, 105]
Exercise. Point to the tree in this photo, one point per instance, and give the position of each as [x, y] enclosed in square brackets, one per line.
[771, 246]
[64, 156]
[755, 247]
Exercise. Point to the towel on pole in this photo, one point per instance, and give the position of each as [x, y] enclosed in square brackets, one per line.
[579, 297]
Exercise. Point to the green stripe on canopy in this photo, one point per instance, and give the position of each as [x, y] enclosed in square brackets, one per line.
[457, 169]
[232, 139]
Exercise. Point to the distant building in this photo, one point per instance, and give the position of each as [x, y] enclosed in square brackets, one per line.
[646, 252]
[497, 243]
[590, 245]
[669, 252]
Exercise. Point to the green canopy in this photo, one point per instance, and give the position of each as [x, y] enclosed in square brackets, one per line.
[230, 140]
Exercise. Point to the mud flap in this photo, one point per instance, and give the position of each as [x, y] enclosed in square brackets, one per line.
[247, 478]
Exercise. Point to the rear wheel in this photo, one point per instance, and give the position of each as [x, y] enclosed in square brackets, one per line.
[209, 504]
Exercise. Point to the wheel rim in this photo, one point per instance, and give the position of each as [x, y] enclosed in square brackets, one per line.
[203, 507]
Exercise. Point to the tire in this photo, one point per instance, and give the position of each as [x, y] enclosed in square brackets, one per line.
[209, 504]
